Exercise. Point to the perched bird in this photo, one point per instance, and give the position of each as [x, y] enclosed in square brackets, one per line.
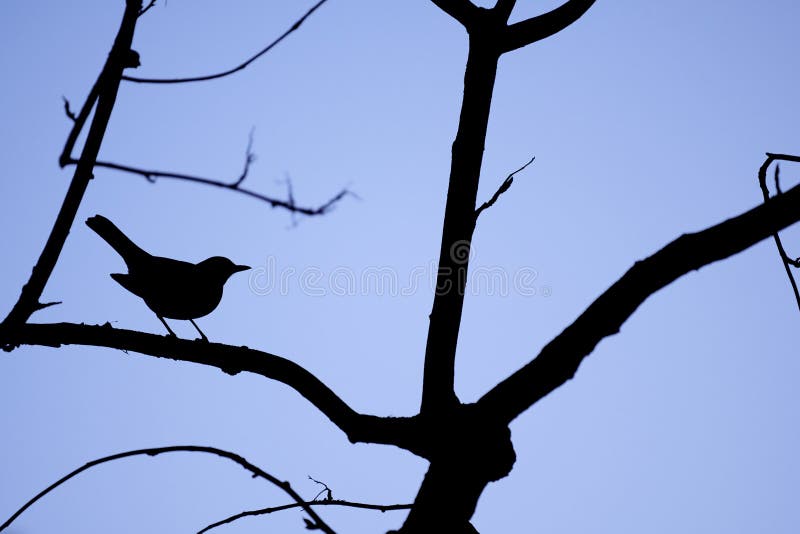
[171, 288]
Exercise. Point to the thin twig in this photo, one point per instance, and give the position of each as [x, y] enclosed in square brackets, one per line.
[788, 262]
[249, 158]
[256, 472]
[68, 110]
[325, 489]
[502, 189]
[237, 68]
[265, 511]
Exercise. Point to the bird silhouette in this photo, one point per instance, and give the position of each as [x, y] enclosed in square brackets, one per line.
[171, 288]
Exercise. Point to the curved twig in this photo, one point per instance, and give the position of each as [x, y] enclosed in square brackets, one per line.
[762, 181]
[256, 472]
[265, 511]
[502, 189]
[559, 360]
[237, 68]
[359, 428]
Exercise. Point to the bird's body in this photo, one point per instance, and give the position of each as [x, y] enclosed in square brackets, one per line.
[171, 288]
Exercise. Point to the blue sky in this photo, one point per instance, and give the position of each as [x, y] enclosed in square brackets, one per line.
[647, 120]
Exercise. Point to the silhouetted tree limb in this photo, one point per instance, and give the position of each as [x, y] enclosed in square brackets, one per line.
[332, 502]
[537, 28]
[502, 189]
[788, 262]
[559, 360]
[120, 57]
[438, 393]
[237, 68]
[397, 431]
[463, 11]
[254, 470]
[489, 38]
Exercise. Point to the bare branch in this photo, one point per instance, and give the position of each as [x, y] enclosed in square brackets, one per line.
[265, 511]
[502, 189]
[237, 68]
[147, 7]
[762, 180]
[537, 28]
[152, 175]
[463, 11]
[105, 91]
[559, 360]
[231, 360]
[256, 472]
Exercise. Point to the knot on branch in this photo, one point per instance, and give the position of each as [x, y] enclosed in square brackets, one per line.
[471, 442]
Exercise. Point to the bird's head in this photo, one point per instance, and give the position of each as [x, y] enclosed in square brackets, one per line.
[220, 268]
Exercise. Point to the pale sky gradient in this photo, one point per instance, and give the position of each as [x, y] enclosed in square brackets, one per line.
[647, 120]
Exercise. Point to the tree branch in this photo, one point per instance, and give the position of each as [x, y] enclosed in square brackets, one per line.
[537, 28]
[152, 175]
[463, 11]
[359, 428]
[559, 360]
[438, 392]
[788, 262]
[120, 57]
[237, 68]
[256, 472]
[332, 502]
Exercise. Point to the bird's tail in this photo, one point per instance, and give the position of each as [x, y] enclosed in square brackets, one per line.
[112, 235]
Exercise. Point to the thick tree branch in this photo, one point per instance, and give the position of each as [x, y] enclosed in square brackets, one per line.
[232, 360]
[332, 502]
[120, 57]
[537, 28]
[463, 11]
[438, 394]
[559, 360]
[237, 68]
[788, 262]
[254, 470]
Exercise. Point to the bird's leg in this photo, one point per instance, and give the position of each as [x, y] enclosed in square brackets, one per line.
[165, 324]
[202, 335]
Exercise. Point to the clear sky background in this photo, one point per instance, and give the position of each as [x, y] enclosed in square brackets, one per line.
[647, 120]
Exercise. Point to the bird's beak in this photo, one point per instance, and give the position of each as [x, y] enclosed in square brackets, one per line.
[237, 268]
